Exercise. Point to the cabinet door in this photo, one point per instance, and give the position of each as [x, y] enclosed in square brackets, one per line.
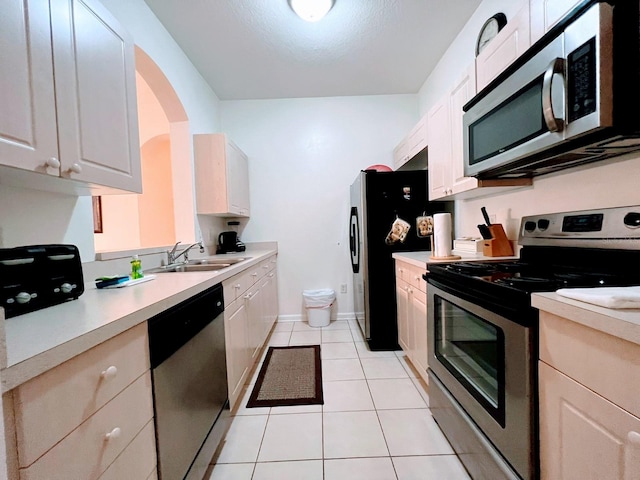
[508, 45]
[270, 292]
[237, 347]
[462, 92]
[401, 153]
[546, 13]
[28, 137]
[237, 180]
[95, 96]
[583, 435]
[439, 127]
[402, 294]
[418, 326]
[255, 320]
[418, 137]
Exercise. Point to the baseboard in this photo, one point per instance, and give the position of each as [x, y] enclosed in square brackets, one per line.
[303, 318]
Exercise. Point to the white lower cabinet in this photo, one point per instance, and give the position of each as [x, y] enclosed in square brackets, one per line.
[251, 309]
[589, 412]
[90, 417]
[411, 296]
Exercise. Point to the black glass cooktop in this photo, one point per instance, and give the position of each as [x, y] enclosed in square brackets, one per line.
[536, 276]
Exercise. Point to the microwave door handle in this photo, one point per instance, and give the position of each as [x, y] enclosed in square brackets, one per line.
[553, 123]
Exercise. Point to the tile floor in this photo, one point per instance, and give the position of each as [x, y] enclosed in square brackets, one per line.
[375, 423]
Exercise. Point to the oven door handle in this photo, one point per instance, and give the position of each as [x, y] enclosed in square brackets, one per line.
[556, 67]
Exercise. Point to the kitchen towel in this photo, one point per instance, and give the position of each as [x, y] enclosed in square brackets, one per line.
[610, 297]
[442, 235]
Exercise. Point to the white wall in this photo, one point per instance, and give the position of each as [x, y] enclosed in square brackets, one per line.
[303, 156]
[599, 185]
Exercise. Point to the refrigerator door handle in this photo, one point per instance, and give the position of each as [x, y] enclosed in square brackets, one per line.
[354, 240]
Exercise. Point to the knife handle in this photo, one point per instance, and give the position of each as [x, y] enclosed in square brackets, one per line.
[486, 216]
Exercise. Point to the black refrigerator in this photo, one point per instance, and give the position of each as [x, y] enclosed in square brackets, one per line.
[382, 205]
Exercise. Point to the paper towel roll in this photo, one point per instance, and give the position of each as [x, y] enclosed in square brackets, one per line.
[442, 235]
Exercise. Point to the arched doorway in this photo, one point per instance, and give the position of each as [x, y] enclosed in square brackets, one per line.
[164, 212]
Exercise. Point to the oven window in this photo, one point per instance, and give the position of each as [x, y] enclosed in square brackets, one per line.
[511, 123]
[472, 349]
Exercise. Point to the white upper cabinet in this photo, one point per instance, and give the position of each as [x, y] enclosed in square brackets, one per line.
[446, 163]
[81, 122]
[412, 144]
[28, 137]
[546, 13]
[511, 42]
[222, 176]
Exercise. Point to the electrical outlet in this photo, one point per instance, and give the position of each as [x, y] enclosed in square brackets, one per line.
[343, 288]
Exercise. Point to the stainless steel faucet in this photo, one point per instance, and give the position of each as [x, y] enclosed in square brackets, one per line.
[172, 257]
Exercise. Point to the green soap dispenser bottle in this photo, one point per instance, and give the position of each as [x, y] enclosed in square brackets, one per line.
[136, 268]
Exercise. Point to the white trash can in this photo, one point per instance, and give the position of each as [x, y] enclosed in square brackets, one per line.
[318, 304]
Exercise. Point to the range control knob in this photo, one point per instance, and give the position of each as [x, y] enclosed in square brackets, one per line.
[23, 297]
[543, 224]
[67, 287]
[632, 219]
[529, 226]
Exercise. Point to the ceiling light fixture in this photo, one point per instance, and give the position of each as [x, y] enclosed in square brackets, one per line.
[311, 10]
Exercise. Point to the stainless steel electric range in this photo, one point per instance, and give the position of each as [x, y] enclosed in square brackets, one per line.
[483, 332]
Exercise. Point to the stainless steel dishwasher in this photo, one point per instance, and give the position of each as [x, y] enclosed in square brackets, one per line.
[189, 372]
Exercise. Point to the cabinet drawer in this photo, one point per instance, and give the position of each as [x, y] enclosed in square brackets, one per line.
[62, 398]
[606, 364]
[412, 275]
[138, 460]
[87, 451]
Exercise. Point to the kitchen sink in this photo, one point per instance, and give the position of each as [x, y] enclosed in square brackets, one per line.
[199, 265]
[217, 261]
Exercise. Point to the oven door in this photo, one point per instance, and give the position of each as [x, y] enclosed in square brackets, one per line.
[485, 362]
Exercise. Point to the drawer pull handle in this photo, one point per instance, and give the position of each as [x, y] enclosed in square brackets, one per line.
[254, 274]
[109, 372]
[113, 434]
[265, 266]
[237, 285]
[634, 438]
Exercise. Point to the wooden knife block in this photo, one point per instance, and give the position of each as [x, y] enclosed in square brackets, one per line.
[499, 245]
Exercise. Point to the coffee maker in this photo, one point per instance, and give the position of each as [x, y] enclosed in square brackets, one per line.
[229, 241]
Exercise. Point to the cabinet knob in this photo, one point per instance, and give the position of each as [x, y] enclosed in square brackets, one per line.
[109, 372]
[265, 266]
[634, 438]
[237, 286]
[271, 274]
[254, 274]
[53, 162]
[113, 434]
[75, 168]
[247, 296]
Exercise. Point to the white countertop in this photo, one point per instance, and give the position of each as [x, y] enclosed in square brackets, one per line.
[621, 323]
[38, 341]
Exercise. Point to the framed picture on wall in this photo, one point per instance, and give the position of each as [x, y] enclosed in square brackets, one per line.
[97, 214]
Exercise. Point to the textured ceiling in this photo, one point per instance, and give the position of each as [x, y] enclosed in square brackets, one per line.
[250, 49]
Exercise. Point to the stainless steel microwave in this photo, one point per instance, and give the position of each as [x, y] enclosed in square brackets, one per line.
[572, 98]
